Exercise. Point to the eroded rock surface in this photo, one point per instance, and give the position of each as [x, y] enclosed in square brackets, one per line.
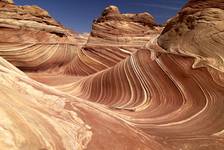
[114, 37]
[197, 31]
[31, 39]
[127, 85]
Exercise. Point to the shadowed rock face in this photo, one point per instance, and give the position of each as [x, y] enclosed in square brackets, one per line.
[133, 86]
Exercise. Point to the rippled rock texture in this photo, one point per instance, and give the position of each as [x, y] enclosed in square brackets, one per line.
[197, 31]
[31, 39]
[128, 85]
[114, 37]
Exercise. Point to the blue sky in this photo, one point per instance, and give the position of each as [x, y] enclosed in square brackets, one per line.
[79, 14]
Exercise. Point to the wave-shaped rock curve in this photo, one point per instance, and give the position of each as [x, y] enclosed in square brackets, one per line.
[130, 85]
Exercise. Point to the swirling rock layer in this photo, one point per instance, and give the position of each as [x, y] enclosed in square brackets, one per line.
[31, 39]
[114, 37]
[197, 31]
[127, 85]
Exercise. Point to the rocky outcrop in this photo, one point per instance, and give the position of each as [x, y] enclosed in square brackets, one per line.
[29, 32]
[132, 85]
[7, 1]
[114, 28]
[114, 37]
[29, 18]
[197, 31]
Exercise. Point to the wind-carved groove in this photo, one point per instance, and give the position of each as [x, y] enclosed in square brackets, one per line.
[129, 84]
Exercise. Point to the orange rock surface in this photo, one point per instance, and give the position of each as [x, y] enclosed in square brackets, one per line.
[128, 85]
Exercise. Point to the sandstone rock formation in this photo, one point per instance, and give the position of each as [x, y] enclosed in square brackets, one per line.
[8, 1]
[127, 85]
[29, 32]
[197, 31]
[114, 37]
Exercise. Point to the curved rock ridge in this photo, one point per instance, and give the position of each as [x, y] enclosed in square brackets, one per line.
[31, 39]
[197, 31]
[114, 36]
[36, 116]
[126, 86]
[163, 97]
[160, 93]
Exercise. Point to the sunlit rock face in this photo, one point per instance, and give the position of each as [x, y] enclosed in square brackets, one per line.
[127, 85]
[35, 116]
[31, 39]
[8, 1]
[197, 31]
[114, 37]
